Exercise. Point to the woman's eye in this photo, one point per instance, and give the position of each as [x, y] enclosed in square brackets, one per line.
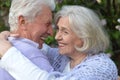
[65, 32]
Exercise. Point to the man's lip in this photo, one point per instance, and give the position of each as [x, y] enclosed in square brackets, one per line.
[43, 38]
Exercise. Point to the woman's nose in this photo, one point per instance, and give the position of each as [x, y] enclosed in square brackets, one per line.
[58, 36]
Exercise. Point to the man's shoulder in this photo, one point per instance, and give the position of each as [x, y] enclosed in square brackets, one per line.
[26, 47]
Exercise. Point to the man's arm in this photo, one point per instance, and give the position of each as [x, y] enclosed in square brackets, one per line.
[15, 63]
[20, 67]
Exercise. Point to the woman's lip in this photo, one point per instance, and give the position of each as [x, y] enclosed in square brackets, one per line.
[60, 47]
[61, 44]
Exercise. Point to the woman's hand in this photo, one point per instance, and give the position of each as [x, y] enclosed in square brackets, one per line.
[4, 43]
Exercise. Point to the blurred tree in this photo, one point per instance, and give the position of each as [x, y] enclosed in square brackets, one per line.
[4, 10]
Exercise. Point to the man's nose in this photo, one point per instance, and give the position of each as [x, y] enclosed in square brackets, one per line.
[50, 31]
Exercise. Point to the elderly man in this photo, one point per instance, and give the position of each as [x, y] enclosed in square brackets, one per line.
[32, 20]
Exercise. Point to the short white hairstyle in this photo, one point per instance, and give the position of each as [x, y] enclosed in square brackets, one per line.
[27, 8]
[87, 26]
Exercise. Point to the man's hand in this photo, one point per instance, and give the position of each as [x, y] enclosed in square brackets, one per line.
[4, 43]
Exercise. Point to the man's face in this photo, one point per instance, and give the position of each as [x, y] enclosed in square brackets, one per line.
[39, 28]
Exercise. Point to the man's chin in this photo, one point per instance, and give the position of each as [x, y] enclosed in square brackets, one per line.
[41, 45]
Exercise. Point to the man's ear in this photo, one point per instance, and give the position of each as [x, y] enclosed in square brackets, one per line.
[21, 22]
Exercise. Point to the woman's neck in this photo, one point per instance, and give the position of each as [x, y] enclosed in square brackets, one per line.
[77, 59]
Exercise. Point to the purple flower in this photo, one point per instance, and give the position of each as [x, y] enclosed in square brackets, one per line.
[118, 26]
[59, 1]
[118, 20]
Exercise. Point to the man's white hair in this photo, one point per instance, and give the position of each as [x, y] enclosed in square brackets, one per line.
[27, 8]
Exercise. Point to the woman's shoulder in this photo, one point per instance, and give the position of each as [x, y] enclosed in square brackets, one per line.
[101, 61]
[98, 66]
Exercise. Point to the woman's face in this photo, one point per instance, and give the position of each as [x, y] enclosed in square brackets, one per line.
[66, 38]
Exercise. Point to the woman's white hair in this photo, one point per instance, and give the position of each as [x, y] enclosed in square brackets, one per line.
[87, 26]
[27, 8]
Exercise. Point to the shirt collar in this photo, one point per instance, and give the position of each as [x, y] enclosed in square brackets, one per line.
[25, 40]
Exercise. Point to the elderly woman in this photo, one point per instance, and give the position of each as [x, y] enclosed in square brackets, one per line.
[81, 42]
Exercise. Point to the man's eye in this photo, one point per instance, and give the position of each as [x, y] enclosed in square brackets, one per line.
[48, 24]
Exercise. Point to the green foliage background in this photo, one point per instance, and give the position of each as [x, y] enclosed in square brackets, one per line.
[106, 9]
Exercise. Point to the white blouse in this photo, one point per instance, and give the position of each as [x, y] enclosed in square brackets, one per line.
[67, 68]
